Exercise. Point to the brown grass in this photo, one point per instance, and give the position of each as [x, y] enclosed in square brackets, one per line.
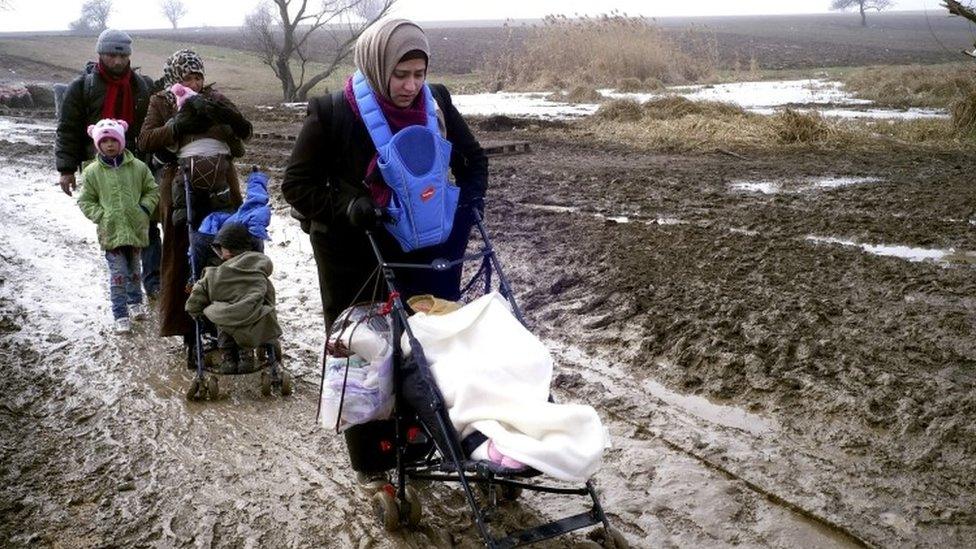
[801, 127]
[675, 106]
[964, 116]
[619, 110]
[678, 124]
[937, 86]
[602, 51]
[579, 94]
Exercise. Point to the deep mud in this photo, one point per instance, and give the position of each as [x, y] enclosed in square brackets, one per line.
[762, 389]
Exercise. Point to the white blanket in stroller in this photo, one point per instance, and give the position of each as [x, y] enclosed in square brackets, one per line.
[495, 377]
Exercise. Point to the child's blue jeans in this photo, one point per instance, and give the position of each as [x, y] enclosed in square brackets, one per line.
[124, 279]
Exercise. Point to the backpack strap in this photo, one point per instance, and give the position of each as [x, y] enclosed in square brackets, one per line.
[373, 117]
[89, 86]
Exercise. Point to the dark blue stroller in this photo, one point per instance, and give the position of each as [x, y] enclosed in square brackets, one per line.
[423, 444]
[205, 383]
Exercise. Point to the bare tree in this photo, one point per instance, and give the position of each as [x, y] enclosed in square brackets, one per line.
[370, 10]
[862, 6]
[282, 30]
[94, 16]
[174, 10]
[5, 5]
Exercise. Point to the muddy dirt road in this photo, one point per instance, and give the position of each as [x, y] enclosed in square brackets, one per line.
[761, 388]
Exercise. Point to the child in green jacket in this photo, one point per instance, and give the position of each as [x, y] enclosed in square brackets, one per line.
[239, 299]
[118, 194]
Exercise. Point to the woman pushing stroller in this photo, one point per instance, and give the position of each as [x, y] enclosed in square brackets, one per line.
[333, 179]
[196, 139]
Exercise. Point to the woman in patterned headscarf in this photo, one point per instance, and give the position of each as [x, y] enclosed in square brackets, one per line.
[209, 127]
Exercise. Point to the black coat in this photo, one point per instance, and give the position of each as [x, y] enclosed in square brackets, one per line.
[72, 144]
[325, 173]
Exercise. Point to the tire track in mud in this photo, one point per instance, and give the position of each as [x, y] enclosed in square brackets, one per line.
[647, 419]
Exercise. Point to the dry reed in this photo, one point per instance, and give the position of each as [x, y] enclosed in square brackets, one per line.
[601, 51]
[964, 116]
[913, 86]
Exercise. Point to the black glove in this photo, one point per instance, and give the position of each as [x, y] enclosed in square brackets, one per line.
[225, 114]
[188, 121]
[363, 213]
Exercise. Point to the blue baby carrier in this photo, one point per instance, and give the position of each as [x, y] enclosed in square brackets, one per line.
[414, 164]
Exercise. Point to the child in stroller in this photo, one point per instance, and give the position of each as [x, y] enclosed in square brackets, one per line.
[238, 297]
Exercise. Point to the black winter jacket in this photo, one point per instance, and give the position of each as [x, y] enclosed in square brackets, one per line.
[79, 109]
[329, 160]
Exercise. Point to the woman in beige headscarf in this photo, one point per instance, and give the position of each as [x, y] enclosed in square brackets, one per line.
[332, 180]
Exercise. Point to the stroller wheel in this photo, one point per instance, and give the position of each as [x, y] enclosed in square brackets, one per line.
[416, 511]
[212, 389]
[610, 538]
[287, 383]
[193, 392]
[386, 510]
[265, 383]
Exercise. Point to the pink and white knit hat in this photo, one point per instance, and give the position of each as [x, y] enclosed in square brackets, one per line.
[108, 127]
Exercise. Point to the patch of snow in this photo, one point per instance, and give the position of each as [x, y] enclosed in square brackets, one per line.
[767, 98]
[528, 105]
[777, 93]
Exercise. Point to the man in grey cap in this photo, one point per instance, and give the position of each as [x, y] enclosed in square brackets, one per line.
[108, 88]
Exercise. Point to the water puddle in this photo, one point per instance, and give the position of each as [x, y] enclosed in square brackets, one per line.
[764, 187]
[728, 416]
[908, 253]
[616, 218]
[771, 186]
[616, 379]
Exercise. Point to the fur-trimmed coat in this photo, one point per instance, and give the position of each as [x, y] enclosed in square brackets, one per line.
[158, 138]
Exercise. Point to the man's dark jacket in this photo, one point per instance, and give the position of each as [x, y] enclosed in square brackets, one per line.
[82, 105]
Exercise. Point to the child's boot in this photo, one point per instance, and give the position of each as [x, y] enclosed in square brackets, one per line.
[123, 325]
[247, 360]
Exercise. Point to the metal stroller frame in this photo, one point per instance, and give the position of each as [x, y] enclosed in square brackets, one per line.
[396, 504]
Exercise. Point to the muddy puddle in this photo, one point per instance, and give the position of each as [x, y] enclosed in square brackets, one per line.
[908, 253]
[800, 186]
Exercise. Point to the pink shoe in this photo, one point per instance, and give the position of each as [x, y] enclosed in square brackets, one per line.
[501, 459]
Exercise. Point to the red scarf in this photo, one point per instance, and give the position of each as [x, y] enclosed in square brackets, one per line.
[119, 100]
[398, 118]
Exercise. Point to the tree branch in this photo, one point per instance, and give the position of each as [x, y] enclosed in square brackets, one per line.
[955, 8]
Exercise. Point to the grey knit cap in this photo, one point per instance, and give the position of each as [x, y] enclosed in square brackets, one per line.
[114, 41]
[235, 237]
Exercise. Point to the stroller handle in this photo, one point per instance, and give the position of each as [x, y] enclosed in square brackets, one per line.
[487, 255]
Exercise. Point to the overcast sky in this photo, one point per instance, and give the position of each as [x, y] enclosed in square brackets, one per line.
[29, 15]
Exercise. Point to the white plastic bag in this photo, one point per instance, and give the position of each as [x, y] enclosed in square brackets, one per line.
[357, 386]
